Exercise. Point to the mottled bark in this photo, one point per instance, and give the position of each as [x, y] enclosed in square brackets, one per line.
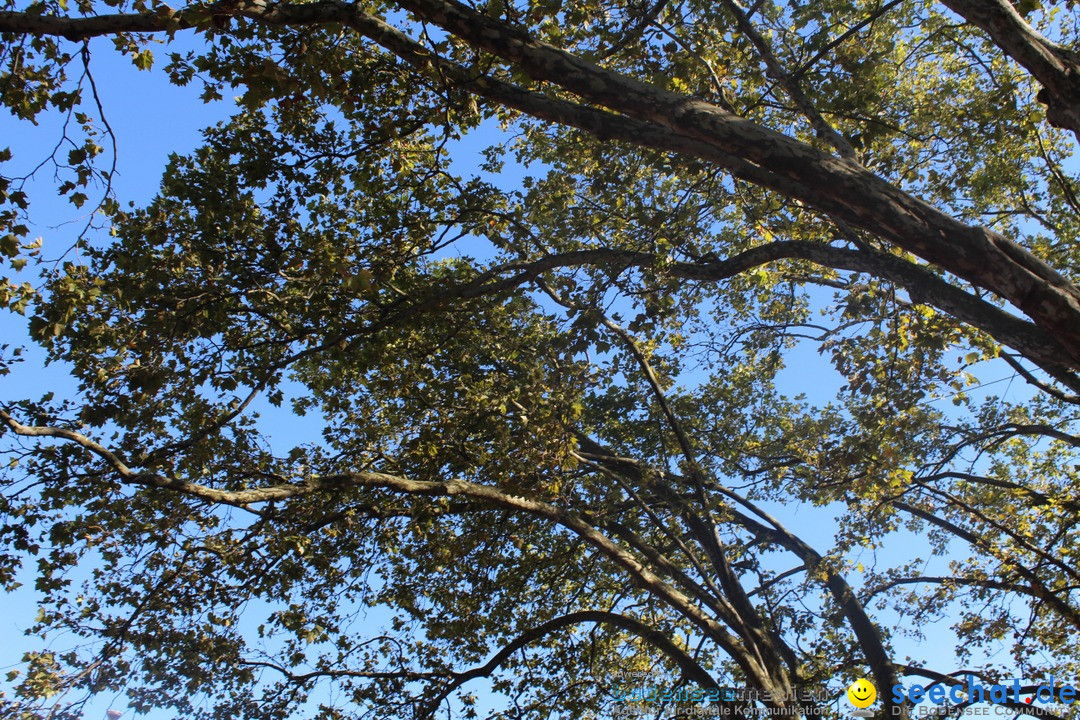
[838, 186]
[1053, 65]
[651, 116]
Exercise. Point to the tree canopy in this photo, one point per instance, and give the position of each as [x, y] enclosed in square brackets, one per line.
[557, 392]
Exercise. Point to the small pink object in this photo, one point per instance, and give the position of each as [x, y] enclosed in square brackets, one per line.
[113, 714]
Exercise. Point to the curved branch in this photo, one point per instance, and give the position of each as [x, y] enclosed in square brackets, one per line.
[833, 185]
[1056, 67]
[664, 120]
[1037, 498]
[922, 285]
[1037, 429]
[568, 519]
[950, 580]
[1037, 587]
[866, 632]
[110, 458]
[689, 667]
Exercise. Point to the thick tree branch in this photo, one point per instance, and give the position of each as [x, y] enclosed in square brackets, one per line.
[1056, 67]
[833, 185]
[673, 122]
[570, 520]
[769, 528]
[790, 83]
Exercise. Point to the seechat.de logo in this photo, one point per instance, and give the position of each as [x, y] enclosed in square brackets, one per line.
[862, 695]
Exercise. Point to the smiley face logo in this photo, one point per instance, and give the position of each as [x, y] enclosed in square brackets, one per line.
[862, 693]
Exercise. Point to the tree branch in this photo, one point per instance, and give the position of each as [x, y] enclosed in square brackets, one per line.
[690, 668]
[1056, 67]
[673, 122]
[790, 83]
[570, 520]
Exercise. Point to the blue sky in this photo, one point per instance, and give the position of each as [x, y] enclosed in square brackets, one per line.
[150, 119]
